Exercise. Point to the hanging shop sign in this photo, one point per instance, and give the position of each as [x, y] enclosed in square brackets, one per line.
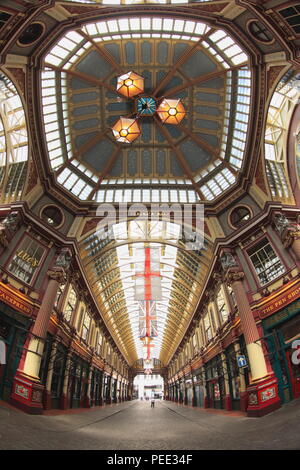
[28, 258]
[279, 301]
[241, 361]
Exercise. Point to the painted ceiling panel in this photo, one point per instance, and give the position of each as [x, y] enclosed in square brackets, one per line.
[94, 64]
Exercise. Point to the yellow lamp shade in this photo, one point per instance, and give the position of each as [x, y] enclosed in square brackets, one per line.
[126, 130]
[171, 111]
[130, 84]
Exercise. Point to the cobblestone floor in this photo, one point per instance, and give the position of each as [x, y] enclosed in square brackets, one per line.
[136, 426]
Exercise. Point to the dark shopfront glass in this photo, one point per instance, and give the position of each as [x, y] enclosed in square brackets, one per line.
[57, 382]
[96, 387]
[13, 331]
[233, 377]
[215, 382]
[78, 381]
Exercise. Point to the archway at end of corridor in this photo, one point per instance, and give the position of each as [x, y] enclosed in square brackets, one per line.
[147, 387]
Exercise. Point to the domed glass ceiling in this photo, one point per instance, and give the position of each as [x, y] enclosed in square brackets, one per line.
[180, 59]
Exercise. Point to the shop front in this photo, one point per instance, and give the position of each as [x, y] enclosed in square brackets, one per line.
[215, 383]
[282, 335]
[189, 390]
[78, 381]
[199, 388]
[14, 328]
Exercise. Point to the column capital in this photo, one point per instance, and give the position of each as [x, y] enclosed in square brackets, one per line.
[57, 274]
[289, 235]
[234, 276]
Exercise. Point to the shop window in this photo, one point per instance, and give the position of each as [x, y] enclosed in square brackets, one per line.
[292, 16]
[26, 260]
[58, 371]
[207, 327]
[222, 307]
[70, 305]
[265, 261]
[86, 327]
[59, 294]
[231, 295]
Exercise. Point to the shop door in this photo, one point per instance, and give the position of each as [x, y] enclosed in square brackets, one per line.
[279, 362]
[14, 337]
[294, 370]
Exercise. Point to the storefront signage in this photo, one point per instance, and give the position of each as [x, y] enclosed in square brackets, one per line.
[15, 301]
[279, 302]
[242, 361]
[26, 257]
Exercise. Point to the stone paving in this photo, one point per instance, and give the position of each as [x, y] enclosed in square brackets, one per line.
[136, 426]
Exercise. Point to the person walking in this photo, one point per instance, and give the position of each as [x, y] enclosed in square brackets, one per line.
[152, 402]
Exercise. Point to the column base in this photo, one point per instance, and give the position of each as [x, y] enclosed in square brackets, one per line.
[64, 402]
[47, 401]
[86, 402]
[27, 394]
[227, 403]
[244, 401]
[263, 397]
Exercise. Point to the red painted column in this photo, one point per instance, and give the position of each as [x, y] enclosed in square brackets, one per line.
[262, 390]
[27, 390]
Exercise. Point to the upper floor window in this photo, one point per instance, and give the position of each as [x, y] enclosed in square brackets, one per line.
[86, 326]
[59, 294]
[265, 261]
[207, 327]
[222, 307]
[26, 260]
[98, 343]
[70, 305]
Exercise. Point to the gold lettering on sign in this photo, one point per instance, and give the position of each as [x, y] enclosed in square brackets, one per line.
[26, 257]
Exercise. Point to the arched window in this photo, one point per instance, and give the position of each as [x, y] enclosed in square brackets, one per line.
[280, 110]
[222, 307]
[70, 305]
[13, 142]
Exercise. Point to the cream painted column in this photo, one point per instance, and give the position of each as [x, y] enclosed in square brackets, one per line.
[256, 356]
[36, 345]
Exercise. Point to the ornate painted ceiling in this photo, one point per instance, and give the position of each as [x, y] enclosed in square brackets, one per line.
[197, 160]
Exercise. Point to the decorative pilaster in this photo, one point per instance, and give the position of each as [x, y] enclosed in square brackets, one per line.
[47, 394]
[64, 399]
[260, 378]
[227, 399]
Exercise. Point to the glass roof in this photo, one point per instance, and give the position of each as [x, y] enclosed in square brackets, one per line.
[111, 265]
[196, 160]
[13, 141]
[284, 98]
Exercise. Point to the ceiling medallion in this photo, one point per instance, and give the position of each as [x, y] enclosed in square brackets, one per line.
[170, 111]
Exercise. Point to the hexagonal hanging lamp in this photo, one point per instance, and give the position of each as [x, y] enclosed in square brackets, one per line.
[130, 84]
[126, 130]
[171, 111]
